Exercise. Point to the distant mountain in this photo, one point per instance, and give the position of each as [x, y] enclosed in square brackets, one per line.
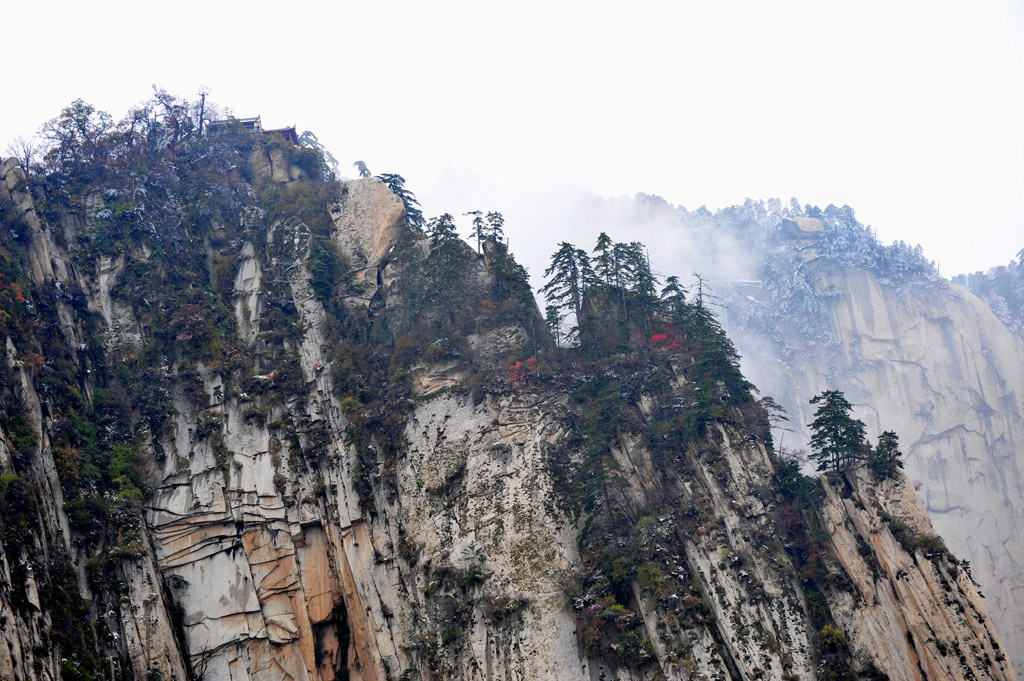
[1002, 289]
[814, 301]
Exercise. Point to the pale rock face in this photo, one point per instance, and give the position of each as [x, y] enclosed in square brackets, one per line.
[271, 164]
[909, 361]
[247, 295]
[14, 192]
[898, 617]
[368, 220]
[800, 228]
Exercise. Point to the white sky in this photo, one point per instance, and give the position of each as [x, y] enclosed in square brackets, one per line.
[911, 112]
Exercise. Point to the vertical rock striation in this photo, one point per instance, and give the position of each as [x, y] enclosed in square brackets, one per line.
[931, 362]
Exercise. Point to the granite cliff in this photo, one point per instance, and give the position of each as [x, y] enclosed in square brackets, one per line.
[256, 427]
[915, 354]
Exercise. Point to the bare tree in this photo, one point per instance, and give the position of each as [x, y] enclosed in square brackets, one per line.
[25, 150]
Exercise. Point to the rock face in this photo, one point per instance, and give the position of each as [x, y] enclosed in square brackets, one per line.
[897, 617]
[932, 363]
[283, 499]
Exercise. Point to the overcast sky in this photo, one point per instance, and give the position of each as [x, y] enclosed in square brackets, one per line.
[911, 112]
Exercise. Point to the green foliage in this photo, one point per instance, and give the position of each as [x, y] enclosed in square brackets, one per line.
[837, 439]
[328, 269]
[795, 487]
[601, 413]
[18, 513]
[609, 630]
[885, 459]
[413, 214]
[569, 275]
[444, 271]
[21, 435]
[125, 472]
[306, 202]
[650, 577]
[70, 633]
[716, 358]
[913, 541]
[511, 288]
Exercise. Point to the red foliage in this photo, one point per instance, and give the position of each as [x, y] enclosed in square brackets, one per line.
[667, 340]
[521, 371]
[33, 359]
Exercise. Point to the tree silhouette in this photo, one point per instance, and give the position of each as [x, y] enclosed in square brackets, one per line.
[673, 297]
[494, 231]
[837, 439]
[363, 170]
[569, 277]
[445, 267]
[413, 214]
[885, 459]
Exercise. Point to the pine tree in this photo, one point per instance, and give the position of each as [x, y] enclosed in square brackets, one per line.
[569, 277]
[486, 228]
[885, 459]
[446, 265]
[479, 229]
[716, 358]
[673, 298]
[642, 284]
[553, 320]
[494, 231]
[602, 261]
[413, 214]
[837, 439]
[362, 169]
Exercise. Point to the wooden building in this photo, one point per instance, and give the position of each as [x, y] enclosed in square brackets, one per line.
[253, 125]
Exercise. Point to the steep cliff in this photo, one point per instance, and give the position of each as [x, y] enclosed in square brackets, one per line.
[915, 354]
[257, 428]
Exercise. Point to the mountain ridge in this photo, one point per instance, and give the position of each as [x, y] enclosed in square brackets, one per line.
[255, 427]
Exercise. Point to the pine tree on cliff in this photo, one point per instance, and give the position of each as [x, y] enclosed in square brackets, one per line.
[445, 266]
[673, 298]
[886, 458]
[494, 231]
[486, 228]
[363, 170]
[413, 214]
[569, 276]
[643, 285]
[837, 439]
[716, 358]
[602, 262]
[479, 228]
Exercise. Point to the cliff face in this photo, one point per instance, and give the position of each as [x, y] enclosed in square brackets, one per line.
[930, 361]
[242, 440]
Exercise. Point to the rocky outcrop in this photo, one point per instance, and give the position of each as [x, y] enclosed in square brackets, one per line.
[901, 570]
[368, 221]
[272, 163]
[15, 197]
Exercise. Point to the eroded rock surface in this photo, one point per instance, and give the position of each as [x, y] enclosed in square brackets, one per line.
[933, 364]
